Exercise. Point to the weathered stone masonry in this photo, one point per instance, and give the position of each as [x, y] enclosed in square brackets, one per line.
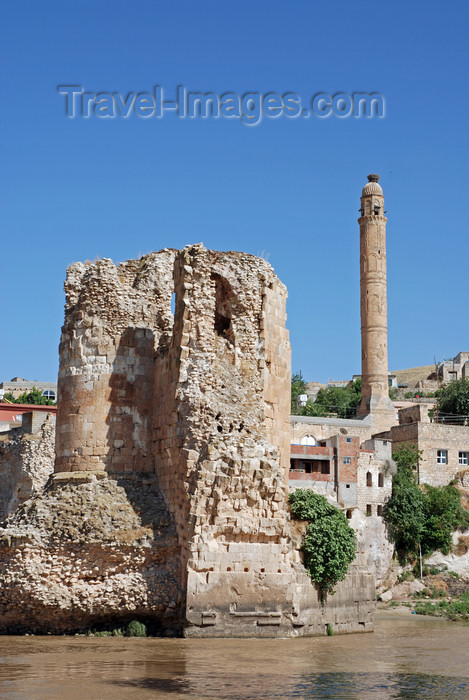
[193, 411]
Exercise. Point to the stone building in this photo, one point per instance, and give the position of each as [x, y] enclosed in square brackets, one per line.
[444, 448]
[456, 368]
[18, 386]
[351, 474]
[169, 497]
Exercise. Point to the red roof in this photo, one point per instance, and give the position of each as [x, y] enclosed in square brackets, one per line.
[9, 411]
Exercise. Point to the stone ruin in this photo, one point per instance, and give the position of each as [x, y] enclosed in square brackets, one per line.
[169, 497]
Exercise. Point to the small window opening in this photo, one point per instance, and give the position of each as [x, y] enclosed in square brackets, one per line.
[223, 308]
[368, 509]
[369, 479]
[379, 511]
[349, 514]
[381, 479]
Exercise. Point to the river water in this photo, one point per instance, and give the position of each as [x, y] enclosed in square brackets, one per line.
[408, 656]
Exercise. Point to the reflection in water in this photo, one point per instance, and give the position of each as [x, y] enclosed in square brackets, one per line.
[320, 685]
[406, 657]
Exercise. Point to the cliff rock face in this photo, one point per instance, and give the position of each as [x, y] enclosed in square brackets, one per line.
[169, 499]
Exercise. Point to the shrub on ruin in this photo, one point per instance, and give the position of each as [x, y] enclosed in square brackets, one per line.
[329, 542]
[136, 629]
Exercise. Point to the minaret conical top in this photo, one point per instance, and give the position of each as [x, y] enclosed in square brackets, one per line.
[373, 177]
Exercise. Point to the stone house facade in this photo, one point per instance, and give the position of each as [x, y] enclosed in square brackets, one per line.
[457, 368]
[444, 449]
[351, 474]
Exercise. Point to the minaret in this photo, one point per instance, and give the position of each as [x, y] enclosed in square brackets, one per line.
[373, 308]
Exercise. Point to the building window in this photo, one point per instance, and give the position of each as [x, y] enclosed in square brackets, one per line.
[379, 511]
[442, 456]
[349, 514]
[463, 458]
[346, 460]
[49, 394]
[381, 479]
[308, 440]
[347, 486]
[369, 479]
[348, 439]
[368, 509]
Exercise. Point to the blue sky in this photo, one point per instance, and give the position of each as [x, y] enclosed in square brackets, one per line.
[76, 189]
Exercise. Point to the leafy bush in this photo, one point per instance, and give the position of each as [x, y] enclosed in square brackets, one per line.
[454, 398]
[136, 629]
[329, 543]
[424, 516]
[405, 576]
[340, 400]
[456, 609]
[443, 513]
[404, 512]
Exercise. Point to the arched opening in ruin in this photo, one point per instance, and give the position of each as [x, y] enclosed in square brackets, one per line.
[381, 479]
[369, 479]
[223, 323]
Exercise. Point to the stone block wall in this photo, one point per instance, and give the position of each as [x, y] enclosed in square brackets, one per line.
[324, 428]
[437, 436]
[430, 438]
[27, 461]
[195, 409]
[116, 318]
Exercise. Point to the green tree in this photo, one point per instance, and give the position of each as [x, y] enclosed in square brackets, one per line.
[35, 398]
[329, 543]
[443, 514]
[454, 398]
[425, 516]
[298, 386]
[404, 512]
[340, 400]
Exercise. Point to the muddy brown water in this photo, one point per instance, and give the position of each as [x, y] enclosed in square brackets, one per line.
[407, 656]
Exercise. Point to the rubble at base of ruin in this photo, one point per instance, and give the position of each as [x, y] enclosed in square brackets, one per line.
[169, 497]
